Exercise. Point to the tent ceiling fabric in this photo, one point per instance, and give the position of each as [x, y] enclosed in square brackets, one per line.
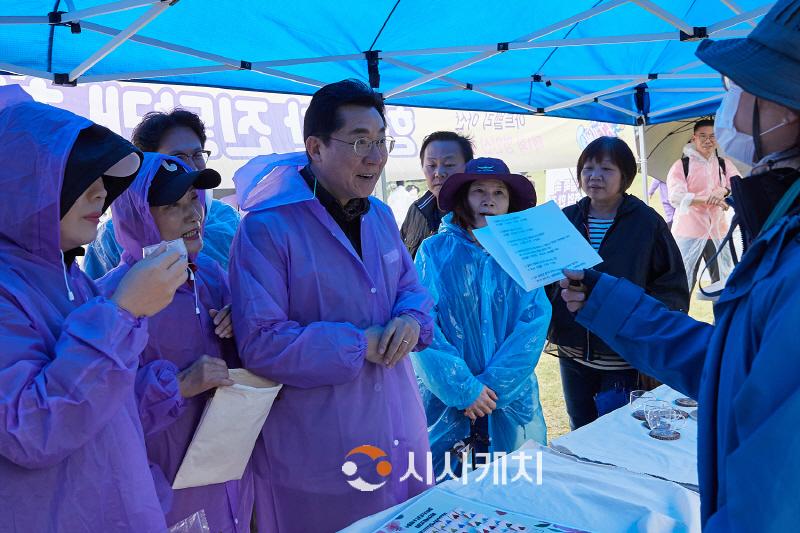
[578, 59]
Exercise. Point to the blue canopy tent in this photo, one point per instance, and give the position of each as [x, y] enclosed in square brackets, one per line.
[577, 59]
[621, 61]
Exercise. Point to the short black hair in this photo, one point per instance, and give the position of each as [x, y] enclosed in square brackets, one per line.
[148, 134]
[465, 143]
[322, 116]
[615, 149]
[702, 124]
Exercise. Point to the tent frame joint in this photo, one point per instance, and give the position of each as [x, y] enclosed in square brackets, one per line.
[373, 68]
[502, 47]
[245, 65]
[698, 34]
[652, 76]
[54, 19]
[62, 78]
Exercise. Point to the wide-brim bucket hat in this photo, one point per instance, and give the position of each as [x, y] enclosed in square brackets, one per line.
[520, 188]
[766, 63]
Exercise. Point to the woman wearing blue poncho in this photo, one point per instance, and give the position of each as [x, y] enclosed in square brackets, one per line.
[477, 378]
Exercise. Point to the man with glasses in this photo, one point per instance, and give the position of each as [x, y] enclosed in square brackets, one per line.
[182, 134]
[698, 185]
[327, 301]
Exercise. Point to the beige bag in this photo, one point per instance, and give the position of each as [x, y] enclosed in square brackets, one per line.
[227, 432]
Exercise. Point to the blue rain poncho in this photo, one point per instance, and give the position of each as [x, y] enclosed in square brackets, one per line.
[488, 331]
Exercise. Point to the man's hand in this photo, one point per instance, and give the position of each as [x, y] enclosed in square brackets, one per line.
[223, 322]
[574, 292]
[399, 337]
[373, 335]
[204, 374]
[483, 406]
[149, 286]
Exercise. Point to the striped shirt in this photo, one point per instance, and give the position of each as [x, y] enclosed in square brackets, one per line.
[598, 227]
[601, 361]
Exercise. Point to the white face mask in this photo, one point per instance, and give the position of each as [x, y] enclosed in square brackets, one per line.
[734, 143]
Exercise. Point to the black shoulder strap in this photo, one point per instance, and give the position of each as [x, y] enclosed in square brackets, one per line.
[685, 161]
[722, 165]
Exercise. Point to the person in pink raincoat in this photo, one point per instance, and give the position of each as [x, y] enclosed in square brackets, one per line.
[699, 200]
[327, 301]
[72, 456]
[190, 346]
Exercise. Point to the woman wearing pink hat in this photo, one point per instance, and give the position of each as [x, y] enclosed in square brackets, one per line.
[477, 379]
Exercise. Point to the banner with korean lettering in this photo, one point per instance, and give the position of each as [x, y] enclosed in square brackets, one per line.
[242, 124]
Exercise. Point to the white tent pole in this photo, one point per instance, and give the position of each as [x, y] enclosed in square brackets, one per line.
[142, 74]
[737, 10]
[744, 17]
[688, 66]
[439, 73]
[689, 90]
[74, 15]
[163, 45]
[664, 15]
[18, 69]
[120, 38]
[485, 55]
[308, 60]
[600, 101]
[185, 50]
[643, 163]
[461, 85]
[15, 20]
[687, 104]
[591, 96]
[105, 9]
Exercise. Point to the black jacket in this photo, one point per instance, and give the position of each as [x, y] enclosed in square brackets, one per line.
[422, 221]
[638, 247]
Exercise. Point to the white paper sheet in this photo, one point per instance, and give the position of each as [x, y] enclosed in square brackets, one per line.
[227, 432]
[535, 245]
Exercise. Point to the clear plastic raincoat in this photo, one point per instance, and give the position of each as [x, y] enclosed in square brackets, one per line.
[694, 225]
[487, 331]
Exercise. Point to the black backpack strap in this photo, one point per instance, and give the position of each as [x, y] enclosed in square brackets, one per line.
[685, 161]
[722, 165]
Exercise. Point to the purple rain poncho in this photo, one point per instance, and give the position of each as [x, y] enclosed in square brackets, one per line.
[72, 456]
[178, 337]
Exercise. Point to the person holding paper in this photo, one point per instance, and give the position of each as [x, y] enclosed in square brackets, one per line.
[327, 302]
[744, 370]
[72, 458]
[635, 243]
[477, 376]
[190, 345]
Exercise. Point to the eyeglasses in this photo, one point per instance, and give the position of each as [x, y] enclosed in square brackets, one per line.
[363, 146]
[200, 156]
[704, 137]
